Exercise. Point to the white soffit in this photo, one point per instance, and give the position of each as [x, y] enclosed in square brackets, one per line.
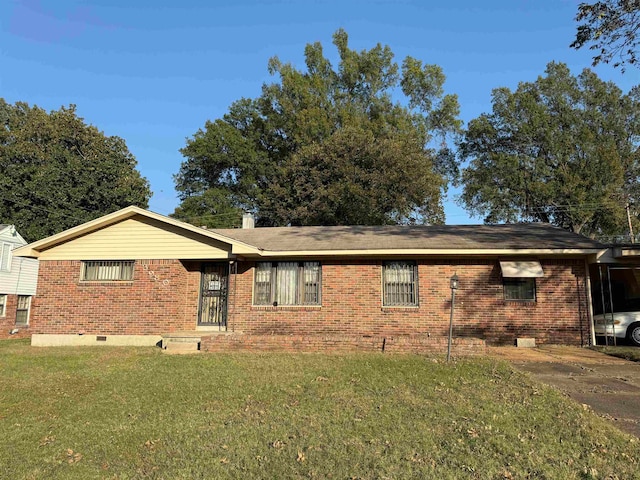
[530, 269]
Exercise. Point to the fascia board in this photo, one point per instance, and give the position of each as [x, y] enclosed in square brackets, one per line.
[426, 252]
[34, 249]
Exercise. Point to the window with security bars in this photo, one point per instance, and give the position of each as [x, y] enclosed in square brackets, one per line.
[287, 283]
[519, 289]
[22, 310]
[107, 270]
[400, 284]
[3, 305]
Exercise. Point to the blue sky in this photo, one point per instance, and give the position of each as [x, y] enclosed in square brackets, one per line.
[152, 72]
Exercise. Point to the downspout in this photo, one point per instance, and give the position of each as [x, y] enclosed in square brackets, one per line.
[604, 315]
[233, 295]
[613, 325]
[19, 275]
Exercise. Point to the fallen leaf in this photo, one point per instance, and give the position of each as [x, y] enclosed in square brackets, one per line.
[301, 458]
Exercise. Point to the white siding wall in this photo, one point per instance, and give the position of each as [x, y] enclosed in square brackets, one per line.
[22, 277]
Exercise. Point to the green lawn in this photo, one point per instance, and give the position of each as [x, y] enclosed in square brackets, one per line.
[123, 413]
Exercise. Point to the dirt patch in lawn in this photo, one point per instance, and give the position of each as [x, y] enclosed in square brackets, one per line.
[608, 385]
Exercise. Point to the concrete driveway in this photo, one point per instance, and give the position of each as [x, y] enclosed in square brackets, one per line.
[609, 385]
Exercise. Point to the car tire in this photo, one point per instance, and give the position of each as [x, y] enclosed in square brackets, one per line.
[633, 334]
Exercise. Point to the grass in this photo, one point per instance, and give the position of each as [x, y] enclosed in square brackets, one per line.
[126, 413]
[628, 353]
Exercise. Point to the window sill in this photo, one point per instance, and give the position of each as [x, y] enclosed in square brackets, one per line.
[271, 308]
[395, 308]
[521, 303]
[111, 283]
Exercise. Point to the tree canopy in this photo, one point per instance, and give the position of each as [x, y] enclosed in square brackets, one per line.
[610, 27]
[327, 145]
[562, 150]
[58, 172]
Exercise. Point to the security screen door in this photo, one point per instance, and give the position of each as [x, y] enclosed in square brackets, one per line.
[213, 295]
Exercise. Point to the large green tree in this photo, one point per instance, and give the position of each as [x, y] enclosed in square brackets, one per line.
[58, 171]
[327, 145]
[610, 28]
[562, 150]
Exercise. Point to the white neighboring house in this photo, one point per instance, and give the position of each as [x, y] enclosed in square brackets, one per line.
[18, 281]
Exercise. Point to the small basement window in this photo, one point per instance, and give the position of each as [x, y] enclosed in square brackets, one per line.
[107, 270]
[3, 305]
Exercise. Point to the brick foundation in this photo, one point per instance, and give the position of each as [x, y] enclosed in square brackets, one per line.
[164, 294]
[340, 344]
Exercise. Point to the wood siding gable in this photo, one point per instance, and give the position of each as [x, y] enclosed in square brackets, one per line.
[135, 238]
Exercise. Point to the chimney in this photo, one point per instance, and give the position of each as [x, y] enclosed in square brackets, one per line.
[248, 221]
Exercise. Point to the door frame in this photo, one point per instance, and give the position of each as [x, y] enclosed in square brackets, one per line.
[223, 293]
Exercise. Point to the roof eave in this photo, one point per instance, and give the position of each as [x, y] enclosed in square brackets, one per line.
[427, 252]
[34, 249]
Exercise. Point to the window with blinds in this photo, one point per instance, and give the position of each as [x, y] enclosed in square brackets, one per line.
[400, 284]
[107, 270]
[287, 283]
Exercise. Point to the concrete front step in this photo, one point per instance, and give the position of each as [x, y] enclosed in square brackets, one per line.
[181, 343]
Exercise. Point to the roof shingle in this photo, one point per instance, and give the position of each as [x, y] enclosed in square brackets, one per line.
[432, 237]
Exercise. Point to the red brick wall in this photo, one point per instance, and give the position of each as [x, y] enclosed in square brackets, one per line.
[337, 343]
[163, 298]
[352, 304]
[8, 322]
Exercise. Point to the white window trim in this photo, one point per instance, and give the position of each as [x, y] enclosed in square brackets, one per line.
[6, 247]
[29, 297]
[3, 306]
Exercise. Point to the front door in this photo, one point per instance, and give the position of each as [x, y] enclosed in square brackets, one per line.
[213, 295]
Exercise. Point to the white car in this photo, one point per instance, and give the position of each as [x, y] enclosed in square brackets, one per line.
[625, 325]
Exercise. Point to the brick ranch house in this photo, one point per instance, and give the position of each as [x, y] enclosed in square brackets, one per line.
[135, 277]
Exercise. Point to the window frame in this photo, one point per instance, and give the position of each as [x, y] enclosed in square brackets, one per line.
[3, 304]
[5, 247]
[124, 266]
[387, 300]
[23, 309]
[268, 287]
[518, 282]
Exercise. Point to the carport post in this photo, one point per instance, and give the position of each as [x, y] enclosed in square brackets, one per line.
[453, 283]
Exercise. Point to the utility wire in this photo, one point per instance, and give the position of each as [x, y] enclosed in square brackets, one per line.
[82, 220]
[53, 212]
